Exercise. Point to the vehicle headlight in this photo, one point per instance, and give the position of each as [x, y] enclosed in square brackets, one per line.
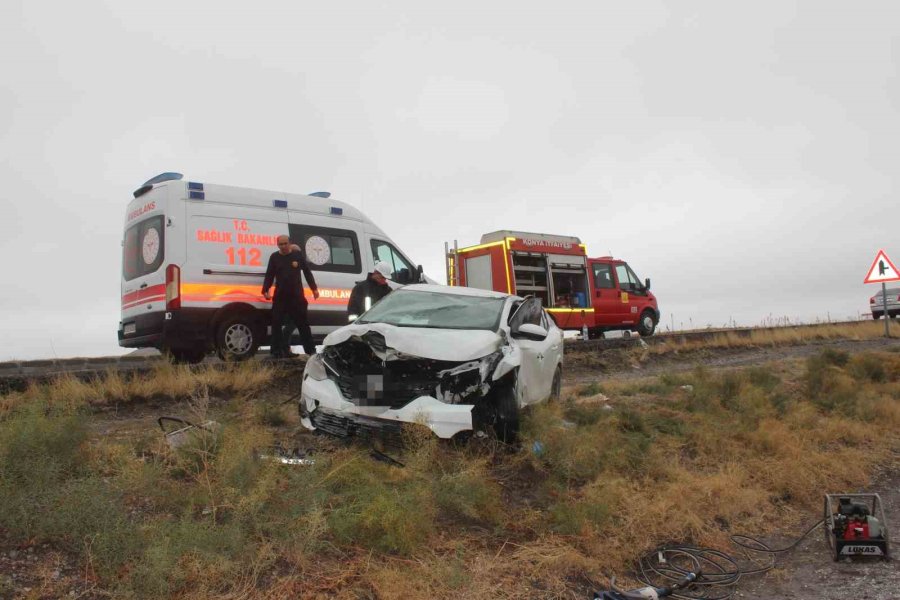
[315, 368]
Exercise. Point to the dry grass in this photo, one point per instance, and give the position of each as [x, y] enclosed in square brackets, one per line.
[778, 336]
[164, 381]
[619, 468]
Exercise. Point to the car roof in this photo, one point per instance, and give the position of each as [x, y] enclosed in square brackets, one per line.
[456, 290]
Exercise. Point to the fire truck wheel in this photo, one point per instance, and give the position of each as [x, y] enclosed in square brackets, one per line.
[237, 338]
[189, 356]
[647, 324]
[556, 387]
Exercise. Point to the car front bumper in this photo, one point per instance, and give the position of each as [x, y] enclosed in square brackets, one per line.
[322, 406]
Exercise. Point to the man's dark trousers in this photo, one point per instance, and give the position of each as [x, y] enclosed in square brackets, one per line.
[293, 307]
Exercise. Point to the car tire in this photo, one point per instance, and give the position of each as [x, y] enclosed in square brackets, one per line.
[876, 316]
[595, 334]
[646, 324]
[237, 338]
[185, 356]
[556, 386]
[506, 423]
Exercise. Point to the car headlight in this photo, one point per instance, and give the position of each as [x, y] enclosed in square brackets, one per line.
[315, 368]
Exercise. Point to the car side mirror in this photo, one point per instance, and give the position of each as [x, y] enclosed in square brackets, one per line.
[530, 331]
[647, 283]
[421, 274]
[403, 276]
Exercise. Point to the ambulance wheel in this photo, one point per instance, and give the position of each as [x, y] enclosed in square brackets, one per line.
[647, 324]
[237, 338]
[186, 356]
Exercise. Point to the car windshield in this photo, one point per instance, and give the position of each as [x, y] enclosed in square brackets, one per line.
[413, 308]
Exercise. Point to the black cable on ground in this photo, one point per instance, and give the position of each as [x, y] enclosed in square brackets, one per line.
[720, 571]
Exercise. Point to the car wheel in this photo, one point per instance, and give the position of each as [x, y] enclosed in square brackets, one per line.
[647, 324]
[506, 424]
[876, 316]
[186, 356]
[595, 334]
[556, 387]
[237, 338]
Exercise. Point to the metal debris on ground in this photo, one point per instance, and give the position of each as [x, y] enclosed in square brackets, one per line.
[287, 456]
[182, 431]
[382, 457]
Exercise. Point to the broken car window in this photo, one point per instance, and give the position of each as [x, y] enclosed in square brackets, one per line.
[416, 308]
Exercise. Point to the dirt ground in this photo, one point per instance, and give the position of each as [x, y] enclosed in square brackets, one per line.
[804, 573]
[807, 572]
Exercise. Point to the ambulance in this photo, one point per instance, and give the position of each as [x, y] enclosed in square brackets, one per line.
[592, 295]
[195, 254]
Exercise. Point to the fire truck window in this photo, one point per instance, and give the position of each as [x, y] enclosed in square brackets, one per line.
[603, 279]
[634, 278]
[327, 248]
[625, 281]
[382, 250]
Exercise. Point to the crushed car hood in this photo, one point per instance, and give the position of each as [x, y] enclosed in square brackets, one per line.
[436, 344]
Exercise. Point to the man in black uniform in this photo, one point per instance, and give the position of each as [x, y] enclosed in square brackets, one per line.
[284, 269]
[369, 291]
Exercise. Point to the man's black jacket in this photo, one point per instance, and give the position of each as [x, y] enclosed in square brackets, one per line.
[284, 270]
[368, 287]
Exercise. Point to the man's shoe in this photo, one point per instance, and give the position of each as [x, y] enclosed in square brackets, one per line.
[290, 354]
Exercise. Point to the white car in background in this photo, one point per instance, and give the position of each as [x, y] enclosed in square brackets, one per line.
[454, 359]
[876, 303]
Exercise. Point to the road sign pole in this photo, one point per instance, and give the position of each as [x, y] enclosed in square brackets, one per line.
[887, 317]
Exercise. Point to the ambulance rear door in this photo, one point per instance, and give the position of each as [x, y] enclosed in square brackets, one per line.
[144, 251]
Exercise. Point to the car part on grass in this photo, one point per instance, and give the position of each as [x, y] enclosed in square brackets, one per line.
[855, 525]
[382, 457]
[185, 431]
[287, 456]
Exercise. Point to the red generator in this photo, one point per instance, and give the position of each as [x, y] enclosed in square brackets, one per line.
[582, 293]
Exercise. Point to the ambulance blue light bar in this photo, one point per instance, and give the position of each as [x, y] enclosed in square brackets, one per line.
[321, 194]
[337, 211]
[279, 203]
[168, 176]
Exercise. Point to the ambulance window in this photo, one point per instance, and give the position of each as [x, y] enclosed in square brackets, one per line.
[381, 250]
[143, 248]
[342, 251]
[130, 249]
[327, 248]
[603, 277]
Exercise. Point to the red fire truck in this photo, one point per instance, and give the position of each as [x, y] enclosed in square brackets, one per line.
[601, 294]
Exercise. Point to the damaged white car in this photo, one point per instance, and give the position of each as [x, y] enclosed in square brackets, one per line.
[454, 359]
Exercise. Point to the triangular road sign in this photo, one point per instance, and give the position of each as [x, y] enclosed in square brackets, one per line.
[882, 270]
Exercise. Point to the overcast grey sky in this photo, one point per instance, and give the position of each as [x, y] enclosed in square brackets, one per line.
[741, 155]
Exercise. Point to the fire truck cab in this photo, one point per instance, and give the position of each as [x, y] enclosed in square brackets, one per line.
[601, 294]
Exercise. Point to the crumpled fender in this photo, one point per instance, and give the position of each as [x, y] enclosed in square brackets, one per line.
[512, 359]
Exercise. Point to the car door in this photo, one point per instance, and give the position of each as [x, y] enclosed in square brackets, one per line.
[534, 384]
[553, 355]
